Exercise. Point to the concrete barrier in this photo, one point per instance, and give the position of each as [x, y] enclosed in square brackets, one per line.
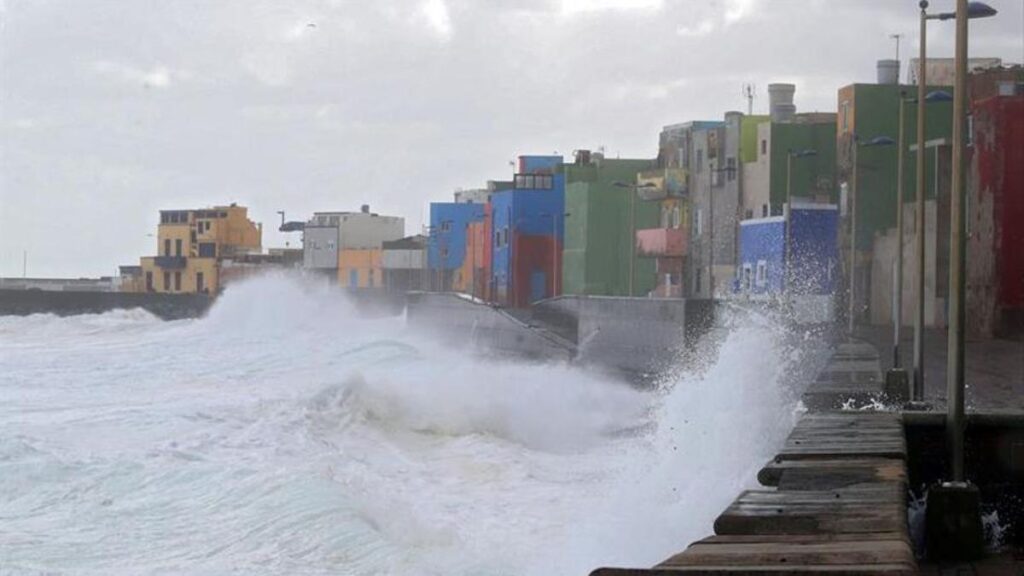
[638, 335]
[166, 306]
[464, 322]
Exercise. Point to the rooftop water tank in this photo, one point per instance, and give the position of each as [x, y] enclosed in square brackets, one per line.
[888, 71]
[780, 102]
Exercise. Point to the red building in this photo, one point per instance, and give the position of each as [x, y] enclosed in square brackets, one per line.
[995, 258]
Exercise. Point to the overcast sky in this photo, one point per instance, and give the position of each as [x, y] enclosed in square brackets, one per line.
[110, 111]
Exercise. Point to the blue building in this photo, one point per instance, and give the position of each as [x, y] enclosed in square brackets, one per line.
[528, 224]
[446, 245]
[812, 252]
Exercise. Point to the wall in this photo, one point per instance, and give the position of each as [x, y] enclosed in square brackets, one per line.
[529, 220]
[633, 335]
[360, 268]
[320, 247]
[362, 230]
[813, 249]
[166, 306]
[462, 323]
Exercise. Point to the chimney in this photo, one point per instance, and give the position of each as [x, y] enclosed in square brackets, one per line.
[888, 71]
[780, 102]
[365, 209]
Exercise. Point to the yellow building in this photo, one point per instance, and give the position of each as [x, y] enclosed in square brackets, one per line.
[360, 268]
[191, 245]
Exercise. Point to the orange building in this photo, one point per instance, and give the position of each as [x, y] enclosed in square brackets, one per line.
[360, 268]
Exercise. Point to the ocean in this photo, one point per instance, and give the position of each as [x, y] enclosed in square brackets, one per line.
[284, 433]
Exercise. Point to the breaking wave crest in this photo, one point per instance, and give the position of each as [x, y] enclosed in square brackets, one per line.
[285, 434]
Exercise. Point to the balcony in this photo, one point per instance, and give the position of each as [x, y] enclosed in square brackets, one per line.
[664, 183]
[170, 262]
[661, 242]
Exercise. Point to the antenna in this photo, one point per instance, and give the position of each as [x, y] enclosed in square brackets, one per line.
[897, 38]
[750, 92]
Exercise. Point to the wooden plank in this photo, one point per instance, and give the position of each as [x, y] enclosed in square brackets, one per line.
[800, 554]
[816, 474]
[871, 493]
[802, 538]
[777, 570]
[767, 520]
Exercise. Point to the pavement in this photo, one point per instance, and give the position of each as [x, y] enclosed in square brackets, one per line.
[994, 369]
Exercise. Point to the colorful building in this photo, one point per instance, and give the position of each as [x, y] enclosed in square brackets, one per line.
[668, 242]
[360, 268]
[446, 244]
[528, 225]
[798, 258]
[404, 264]
[327, 234]
[192, 247]
[599, 255]
[475, 276]
[995, 258]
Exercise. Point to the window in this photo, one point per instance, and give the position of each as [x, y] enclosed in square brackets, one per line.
[167, 281]
[177, 281]
[700, 160]
[177, 247]
[764, 147]
[444, 252]
[764, 210]
[730, 167]
[747, 277]
[677, 216]
[200, 284]
[149, 281]
[167, 246]
[207, 226]
[762, 273]
[698, 222]
[698, 280]
[844, 116]
[208, 250]
[446, 226]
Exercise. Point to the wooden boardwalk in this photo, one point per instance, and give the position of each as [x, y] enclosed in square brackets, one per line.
[833, 502]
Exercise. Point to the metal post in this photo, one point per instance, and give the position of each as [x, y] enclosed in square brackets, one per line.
[918, 391]
[711, 230]
[788, 213]
[898, 307]
[632, 237]
[957, 253]
[853, 238]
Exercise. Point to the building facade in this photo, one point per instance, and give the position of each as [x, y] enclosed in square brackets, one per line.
[327, 234]
[599, 255]
[795, 254]
[404, 264]
[528, 224]
[193, 246]
[446, 243]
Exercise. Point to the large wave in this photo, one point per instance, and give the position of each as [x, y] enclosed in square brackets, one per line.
[284, 433]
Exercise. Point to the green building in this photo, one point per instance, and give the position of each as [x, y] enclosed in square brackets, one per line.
[870, 111]
[599, 244]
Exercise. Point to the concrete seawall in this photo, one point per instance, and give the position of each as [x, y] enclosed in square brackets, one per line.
[465, 323]
[166, 306]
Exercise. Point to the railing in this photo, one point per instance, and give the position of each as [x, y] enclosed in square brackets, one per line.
[661, 242]
[171, 262]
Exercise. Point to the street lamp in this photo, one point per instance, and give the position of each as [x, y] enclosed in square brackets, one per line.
[969, 10]
[932, 97]
[957, 243]
[635, 188]
[874, 142]
[789, 202]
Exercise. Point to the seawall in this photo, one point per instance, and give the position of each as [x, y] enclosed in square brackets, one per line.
[166, 306]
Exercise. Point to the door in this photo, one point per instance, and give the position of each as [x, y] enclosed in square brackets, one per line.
[538, 285]
[200, 285]
[353, 278]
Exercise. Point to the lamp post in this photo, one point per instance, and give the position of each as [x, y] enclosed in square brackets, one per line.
[789, 202]
[968, 10]
[634, 190]
[874, 142]
[932, 97]
[958, 243]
